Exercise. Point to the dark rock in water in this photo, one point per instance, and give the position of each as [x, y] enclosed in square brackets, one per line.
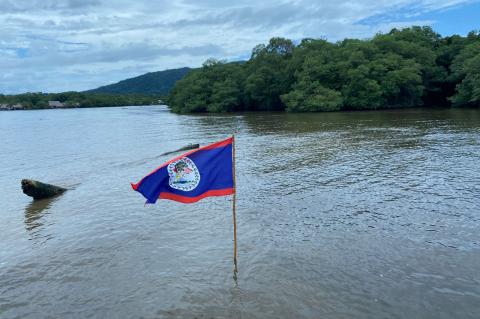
[39, 190]
[185, 148]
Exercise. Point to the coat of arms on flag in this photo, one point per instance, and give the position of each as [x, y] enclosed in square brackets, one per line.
[183, 174]
[204, 172]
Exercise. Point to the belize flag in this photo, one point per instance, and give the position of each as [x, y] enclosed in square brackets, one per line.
[207, 171]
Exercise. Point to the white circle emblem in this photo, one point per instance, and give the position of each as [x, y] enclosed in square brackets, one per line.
[184, 174]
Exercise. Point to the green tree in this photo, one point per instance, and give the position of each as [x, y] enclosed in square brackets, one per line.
[402, 68]
[312, 97]
[226, 96]
[466, 69]
[268, 75]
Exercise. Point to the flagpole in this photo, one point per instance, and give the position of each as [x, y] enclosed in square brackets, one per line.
[235, 270]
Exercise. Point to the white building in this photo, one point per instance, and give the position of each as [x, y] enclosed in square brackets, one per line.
[55, 104]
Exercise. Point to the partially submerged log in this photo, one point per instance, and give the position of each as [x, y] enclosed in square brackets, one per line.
[185, 148]
[39, 190]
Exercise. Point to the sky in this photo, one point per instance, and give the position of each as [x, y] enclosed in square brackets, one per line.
[75, 45]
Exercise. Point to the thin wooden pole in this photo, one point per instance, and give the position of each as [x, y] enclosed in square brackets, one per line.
[234, 211]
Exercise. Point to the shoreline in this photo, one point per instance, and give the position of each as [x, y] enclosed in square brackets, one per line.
[422, 107]
[69, 108]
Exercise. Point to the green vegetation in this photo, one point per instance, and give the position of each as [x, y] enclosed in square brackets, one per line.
[146, 89]
[76, 99]
[403, 68]
[160, 82]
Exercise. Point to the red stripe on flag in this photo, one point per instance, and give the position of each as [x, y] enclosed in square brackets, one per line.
[189, 200]
[218, 144]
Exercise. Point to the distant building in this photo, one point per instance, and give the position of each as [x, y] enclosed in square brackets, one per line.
[9, 107]
[55, 104]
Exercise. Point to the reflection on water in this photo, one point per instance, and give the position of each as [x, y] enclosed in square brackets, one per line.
[35, 219]
[35, 210]
[340, 215]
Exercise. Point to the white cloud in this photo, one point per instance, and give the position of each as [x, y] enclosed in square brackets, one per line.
[51, 46]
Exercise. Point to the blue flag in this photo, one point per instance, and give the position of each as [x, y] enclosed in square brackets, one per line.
[204, 172]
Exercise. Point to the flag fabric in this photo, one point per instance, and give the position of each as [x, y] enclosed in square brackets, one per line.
[204, 172]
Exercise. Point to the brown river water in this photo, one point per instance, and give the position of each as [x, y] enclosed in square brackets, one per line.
[340, 215]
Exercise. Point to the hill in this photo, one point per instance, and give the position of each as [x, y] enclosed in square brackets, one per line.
[160, 82]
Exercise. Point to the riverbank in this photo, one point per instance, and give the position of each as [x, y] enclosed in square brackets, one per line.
[21, 108]
[34, 101]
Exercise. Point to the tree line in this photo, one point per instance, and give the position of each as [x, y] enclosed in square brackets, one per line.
[77, 99]
[403, 68]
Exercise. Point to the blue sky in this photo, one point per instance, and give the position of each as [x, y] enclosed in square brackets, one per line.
[54, 46]
[459, 19]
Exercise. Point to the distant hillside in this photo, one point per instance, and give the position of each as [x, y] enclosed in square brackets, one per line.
[160, 82]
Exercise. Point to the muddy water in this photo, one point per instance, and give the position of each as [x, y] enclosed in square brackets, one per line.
[342, 215]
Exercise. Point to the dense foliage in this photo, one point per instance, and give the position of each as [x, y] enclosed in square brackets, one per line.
[76, 99]
[404, 68]
[160, 82]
